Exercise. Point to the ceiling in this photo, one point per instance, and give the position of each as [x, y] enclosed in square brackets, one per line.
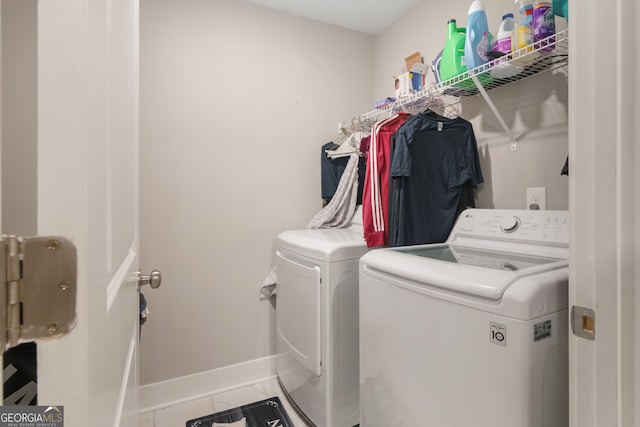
[367, 16]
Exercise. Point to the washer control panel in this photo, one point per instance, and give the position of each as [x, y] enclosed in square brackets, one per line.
[521, 225]
[510, 224]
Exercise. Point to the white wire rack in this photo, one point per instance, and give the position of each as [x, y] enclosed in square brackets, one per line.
[530, 60]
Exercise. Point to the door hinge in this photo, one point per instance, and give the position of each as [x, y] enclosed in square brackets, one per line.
[583, 322]
[40, 277]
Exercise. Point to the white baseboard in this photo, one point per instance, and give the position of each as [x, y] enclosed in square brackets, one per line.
[179, 390]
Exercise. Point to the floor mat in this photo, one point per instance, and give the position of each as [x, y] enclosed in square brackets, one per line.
[266, 413]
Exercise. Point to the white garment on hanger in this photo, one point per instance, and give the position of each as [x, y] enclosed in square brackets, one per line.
[339, 212]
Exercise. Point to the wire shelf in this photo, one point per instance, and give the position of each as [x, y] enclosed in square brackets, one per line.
[530, 61]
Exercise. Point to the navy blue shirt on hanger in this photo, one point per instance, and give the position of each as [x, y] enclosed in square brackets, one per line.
[434, 169]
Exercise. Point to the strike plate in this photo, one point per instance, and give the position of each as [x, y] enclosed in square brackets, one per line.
[583, 322]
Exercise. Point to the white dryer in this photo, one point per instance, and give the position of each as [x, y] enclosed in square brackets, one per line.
[317, 322]
[472, 332]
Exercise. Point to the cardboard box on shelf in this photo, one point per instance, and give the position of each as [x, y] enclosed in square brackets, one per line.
[412, 59]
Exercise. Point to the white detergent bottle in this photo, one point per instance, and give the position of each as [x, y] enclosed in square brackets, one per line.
[503, 36]
[477, 43]
[503, 68]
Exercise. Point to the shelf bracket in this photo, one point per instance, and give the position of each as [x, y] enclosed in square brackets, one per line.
[485, 95]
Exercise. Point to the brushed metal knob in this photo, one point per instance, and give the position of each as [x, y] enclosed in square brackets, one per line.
[154, 279]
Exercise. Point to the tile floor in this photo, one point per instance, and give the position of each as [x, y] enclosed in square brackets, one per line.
[178, 415]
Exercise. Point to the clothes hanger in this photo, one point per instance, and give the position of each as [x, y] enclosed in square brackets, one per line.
[343, 134]
[350, 146]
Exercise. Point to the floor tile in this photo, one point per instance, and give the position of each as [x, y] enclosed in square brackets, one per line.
[254, 393]
[178, 415]
[272, 388]
[146, 420]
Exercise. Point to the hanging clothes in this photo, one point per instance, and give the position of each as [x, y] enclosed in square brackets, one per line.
[339, 212]
[565, 167]
[331, 170]
[375, 196]
[435, 167]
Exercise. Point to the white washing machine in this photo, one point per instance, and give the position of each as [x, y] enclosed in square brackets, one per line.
[472, 332]
[317, 322]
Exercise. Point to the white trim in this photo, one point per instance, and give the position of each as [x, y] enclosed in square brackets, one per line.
[125, 377]
[119, 278]
[179, 390]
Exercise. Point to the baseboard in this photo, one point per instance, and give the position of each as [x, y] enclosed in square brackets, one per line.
[179, 390]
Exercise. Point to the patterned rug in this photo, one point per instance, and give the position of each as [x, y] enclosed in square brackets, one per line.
[266, 413]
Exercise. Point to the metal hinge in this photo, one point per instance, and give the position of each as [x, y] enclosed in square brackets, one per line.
[583, 322]
[40, 277]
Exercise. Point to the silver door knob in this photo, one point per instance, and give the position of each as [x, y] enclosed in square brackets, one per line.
[154, 279]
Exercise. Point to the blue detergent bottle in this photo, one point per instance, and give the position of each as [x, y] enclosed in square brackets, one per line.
[478, 40]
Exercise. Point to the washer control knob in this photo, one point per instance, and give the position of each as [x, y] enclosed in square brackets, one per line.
[509, 225]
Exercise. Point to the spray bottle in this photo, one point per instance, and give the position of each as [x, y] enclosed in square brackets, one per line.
[523, 34]
[523, 31]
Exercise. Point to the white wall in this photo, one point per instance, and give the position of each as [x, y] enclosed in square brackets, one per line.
[236, 101]
[535, 109]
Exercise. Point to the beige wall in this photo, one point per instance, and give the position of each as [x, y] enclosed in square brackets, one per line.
[236, 101]
[19, 117]
[535, 109]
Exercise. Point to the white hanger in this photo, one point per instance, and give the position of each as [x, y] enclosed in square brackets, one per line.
[350, 146]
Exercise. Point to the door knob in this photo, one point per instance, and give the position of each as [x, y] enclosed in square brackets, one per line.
[154, 279]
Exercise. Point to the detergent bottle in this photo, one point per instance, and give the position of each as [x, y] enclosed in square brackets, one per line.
[523, 31]
[561, 8]
[502, 44]
[544, 24]
[523, 34]
[478, 40]
[452, 60]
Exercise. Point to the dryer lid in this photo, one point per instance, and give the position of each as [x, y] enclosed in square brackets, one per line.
[328, 245]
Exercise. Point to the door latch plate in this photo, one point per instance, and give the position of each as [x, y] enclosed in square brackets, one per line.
[583, 322]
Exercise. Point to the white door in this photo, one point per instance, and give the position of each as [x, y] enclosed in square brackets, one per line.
[604, 153]
[88, 191]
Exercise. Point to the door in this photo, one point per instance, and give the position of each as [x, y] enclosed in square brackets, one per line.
[604, 106]
[299, 310]
[87, 190]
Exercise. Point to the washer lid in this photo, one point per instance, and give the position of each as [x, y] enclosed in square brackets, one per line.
[334, 244]
[496, 260]
[473, 271]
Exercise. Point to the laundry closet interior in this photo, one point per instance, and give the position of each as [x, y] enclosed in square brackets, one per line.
[236, 101]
